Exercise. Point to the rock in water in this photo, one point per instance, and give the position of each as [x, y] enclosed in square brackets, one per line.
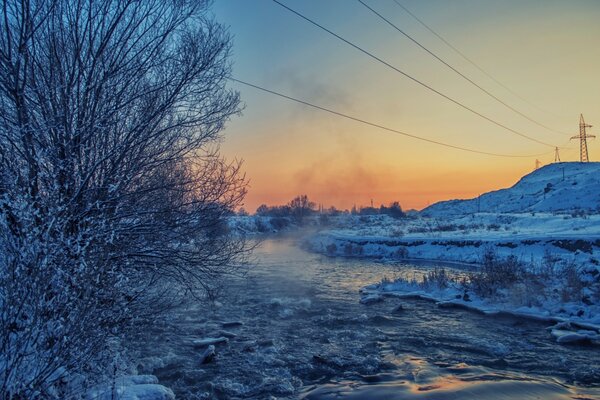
[208, 355]
[398, 309]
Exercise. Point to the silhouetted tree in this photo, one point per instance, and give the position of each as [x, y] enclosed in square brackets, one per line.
[301, 207]
[394, 210]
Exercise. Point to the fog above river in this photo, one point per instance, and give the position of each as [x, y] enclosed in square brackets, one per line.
[301, 332]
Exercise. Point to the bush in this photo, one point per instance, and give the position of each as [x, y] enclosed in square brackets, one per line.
[438, 278]
[573, 285]
[496, 274]
[279, 223]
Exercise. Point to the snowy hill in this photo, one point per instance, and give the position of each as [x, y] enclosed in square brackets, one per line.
[564, 187]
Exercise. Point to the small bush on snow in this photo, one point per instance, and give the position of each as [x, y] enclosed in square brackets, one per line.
[438, 278]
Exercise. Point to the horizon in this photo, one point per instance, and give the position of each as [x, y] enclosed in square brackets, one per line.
[378, 205]
[289, 149]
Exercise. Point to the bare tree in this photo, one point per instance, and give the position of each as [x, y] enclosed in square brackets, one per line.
[301, 207]
[112, 190]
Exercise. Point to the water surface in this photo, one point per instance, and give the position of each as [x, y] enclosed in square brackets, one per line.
[305, 335]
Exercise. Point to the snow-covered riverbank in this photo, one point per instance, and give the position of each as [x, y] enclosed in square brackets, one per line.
[463, 239]
[574, 321]
[542, 234]
[557, 254]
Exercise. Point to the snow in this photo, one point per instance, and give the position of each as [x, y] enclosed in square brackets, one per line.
[371, 298]
[541, 214]
[543, 190]
[564, 336]
[544, 219]
[571, 327]
[524, 235]
[135, 387]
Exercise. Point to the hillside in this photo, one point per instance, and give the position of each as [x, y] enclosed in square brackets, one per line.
[561, 187]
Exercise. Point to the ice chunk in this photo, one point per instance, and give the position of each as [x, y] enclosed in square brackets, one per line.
[371, 298]
[208, 341]
[232, 324]
[134, 387]
[563, 336]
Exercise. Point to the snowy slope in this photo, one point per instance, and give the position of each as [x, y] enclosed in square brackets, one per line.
[543, 190]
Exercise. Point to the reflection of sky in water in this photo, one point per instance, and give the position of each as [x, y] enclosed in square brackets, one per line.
[416, 379]
[305, 334]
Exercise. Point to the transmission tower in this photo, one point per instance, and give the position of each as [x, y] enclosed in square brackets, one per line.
[556, 155]
[583, 136]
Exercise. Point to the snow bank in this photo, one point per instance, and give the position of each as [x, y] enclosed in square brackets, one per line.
[135, 387]
[577, 322]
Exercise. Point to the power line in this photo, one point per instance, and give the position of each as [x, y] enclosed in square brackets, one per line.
[457, 71]
[365, 122]
[413, 78]
[473, 63]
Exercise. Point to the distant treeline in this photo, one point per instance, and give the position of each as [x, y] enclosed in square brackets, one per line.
[300, 207]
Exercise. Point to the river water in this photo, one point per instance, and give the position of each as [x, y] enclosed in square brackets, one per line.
[304, 334]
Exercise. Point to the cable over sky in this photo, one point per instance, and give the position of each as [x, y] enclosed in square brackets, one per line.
[370, 151]
[421, 83]
[385, 128]
[496, 98]
[473, 63]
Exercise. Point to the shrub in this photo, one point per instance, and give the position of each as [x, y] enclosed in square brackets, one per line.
[438, 278]
[573, 285]
[496, 274]
[279, 223]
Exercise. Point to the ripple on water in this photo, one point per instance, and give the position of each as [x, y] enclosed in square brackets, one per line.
[296, 328]
[417, 379]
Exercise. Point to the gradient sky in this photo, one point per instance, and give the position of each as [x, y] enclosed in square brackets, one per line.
[546, 51]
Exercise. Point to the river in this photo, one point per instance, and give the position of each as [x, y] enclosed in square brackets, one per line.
[303, 334]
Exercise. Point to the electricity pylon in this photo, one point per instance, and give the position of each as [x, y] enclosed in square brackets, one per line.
[583, 136]
[556, 155]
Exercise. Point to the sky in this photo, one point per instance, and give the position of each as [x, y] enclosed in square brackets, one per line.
[545, 52]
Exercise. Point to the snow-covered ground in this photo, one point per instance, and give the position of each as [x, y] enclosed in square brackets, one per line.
[541, 214]
[567, 186]
[576, 321]
[549, 219]
[463, 238]
[258, 224]
[132, 387]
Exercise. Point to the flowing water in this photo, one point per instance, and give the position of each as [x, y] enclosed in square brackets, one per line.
[300, 332]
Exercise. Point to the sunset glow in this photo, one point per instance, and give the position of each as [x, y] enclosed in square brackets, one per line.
[544, 51]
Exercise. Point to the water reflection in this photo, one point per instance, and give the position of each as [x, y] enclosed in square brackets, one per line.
[416, 379]
[302, 333]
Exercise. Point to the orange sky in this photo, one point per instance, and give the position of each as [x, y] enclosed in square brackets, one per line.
[545, 51]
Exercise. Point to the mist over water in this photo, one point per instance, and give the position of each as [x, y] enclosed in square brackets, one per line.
[305, 335]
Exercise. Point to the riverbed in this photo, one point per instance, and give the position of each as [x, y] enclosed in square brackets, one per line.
[296, 329]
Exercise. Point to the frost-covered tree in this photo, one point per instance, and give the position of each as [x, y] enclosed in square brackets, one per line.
[112, 190]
